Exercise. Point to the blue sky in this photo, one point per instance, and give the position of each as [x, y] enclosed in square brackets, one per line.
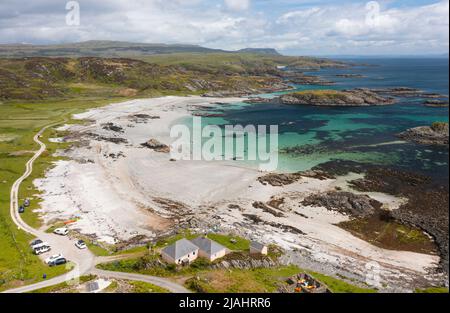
[299, 27]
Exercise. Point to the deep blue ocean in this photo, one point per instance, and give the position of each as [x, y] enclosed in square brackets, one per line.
[310, 136]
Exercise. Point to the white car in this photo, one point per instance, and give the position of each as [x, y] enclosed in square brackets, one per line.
[40, 245]
[53, 258]
[80, 244]
[42, 250]
[61, 231]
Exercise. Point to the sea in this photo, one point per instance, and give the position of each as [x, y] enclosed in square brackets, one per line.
[310, 136]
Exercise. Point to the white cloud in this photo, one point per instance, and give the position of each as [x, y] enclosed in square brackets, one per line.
[346, 28]
[237, 5]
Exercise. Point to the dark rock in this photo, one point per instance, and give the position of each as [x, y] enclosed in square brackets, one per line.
[437, 134]
[344, 202]
[112, 127]
[266, 208]
[356, 97]
[279, 180]
[436, 104]
[156, 146]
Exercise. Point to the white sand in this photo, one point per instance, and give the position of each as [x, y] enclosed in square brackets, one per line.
[118, 199]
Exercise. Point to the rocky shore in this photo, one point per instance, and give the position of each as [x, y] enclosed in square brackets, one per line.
[436, 134]
[355, 97]
[427, 206]
[436, 103]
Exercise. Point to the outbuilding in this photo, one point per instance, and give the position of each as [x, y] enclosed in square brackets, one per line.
[258, 248]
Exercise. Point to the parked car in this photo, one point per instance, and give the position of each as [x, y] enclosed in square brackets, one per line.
[42, 250]
[57, 262]
[21, 209]
[40, 245]
[63, 231]
[36, 242]
[80, 244]
[53, 258]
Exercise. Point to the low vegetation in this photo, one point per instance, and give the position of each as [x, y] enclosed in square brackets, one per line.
[144, 287]
[433, 290]
[66, 287]
[388, 234]
[202, 276]
[234, 243]
[19, 121]
[261, 280]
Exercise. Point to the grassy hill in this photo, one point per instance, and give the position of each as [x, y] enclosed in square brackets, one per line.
[104, 48]
[41, 78]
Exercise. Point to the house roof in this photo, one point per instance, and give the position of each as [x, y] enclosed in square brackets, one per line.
[207, 245]
[180, 248]
[256, 245]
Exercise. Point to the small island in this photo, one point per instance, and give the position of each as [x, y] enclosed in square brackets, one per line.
[355, 97]
[436, 134]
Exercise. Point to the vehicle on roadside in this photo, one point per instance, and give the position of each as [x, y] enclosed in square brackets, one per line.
[36, 242]
[80, 244]
[21, 209]
[40, 245]
[63, 231]
[54, 257]
[41, 250]
[57, 262]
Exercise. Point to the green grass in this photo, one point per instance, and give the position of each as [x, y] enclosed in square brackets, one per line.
[143, 287]
[256, 280]
[338, 285]
[172, 239]
[19, 121]
[65, 285]
[140, 265]
[261, 281]
[241, 244]
[433, 290]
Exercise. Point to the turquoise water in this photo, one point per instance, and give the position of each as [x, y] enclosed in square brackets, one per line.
[309, 136]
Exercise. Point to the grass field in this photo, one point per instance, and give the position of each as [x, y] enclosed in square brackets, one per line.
[19, 121]
[262, 280]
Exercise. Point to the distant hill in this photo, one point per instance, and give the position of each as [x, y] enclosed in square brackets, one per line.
[110, 49]
[260, 51]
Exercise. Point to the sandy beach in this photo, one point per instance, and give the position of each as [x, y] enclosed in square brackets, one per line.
[118, 189]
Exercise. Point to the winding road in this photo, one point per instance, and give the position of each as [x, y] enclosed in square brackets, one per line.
[84, 261]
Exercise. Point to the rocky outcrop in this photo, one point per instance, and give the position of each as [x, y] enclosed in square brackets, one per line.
[246, 263]
[436, 104]
[112, 127]
[350, 75]
[268, 209]
[310, 80]
[427, 207]
[344, 202]
[356, 97]
[279, 180]
[157, 146]
[407, 92]
[436, 134]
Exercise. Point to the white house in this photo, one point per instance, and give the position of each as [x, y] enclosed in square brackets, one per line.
[258, 248]
[209, 249]
[181, 252]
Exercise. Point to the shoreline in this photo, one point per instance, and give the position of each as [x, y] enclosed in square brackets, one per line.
[115, 200]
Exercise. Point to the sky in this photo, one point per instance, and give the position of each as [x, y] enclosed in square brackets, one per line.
[294, 27]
